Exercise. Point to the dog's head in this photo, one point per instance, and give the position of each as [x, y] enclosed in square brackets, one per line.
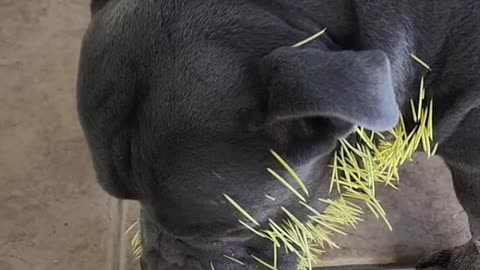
[180, 102]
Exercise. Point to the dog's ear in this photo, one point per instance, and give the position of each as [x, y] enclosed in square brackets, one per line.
[352, 86]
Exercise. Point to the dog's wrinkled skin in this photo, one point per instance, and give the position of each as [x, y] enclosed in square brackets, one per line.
[180, 101]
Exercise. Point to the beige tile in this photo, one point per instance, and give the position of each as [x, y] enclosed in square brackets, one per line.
[53, 215]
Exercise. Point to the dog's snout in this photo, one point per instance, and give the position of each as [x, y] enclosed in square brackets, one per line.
[155, 261]
[221, 256]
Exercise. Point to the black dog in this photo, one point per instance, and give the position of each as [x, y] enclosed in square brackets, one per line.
[180, 101]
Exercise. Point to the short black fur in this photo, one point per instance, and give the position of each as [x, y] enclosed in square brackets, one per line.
[181, 100]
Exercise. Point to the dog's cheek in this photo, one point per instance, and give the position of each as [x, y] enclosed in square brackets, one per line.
[112, 166]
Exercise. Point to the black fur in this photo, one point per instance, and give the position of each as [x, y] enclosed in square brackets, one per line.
[96, 5]
[180, 101]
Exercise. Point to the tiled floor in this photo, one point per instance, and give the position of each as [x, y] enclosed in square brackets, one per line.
[54, 216]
